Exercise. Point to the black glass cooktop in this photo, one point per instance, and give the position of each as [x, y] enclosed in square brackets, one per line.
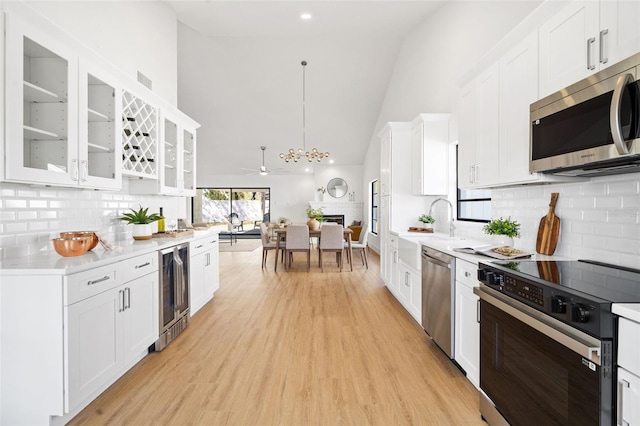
[609, 283]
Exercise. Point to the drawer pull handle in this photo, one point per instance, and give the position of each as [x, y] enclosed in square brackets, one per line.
[467, 274]
[200, 246]
[143, 265]
[99, 280]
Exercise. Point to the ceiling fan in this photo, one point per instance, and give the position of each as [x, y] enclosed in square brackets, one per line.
[263, 170]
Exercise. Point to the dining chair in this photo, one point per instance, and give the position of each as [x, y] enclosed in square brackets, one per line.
[297, 240]
[361, 246]
[331, 240]
[267, 244]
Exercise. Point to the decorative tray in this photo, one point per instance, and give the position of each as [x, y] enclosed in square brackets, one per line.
[173, 234]
[423, 230]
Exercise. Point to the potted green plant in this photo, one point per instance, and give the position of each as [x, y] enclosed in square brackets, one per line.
[427, 221]
[141, 220]
[282, 221]
[502, 230]
[314, 216]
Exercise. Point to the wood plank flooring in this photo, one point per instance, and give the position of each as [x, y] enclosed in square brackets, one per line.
[293, 348]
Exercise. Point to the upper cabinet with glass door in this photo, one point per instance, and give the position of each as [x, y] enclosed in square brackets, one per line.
[177, 150]
[50, 135]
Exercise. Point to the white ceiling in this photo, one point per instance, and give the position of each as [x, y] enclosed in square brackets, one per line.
[253, 92]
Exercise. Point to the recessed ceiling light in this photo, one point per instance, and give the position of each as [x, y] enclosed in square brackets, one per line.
[330, 161]
[305, 16]
[306, 169]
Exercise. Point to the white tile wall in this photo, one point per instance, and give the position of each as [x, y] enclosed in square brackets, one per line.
[599, 218]
[30, 215]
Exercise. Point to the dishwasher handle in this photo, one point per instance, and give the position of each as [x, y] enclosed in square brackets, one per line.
[429, 259]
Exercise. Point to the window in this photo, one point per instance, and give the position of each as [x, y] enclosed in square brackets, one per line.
[474, 205]
[216, 205]
[374, 207]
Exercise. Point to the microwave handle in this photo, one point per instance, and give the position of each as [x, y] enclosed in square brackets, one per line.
[614, 114]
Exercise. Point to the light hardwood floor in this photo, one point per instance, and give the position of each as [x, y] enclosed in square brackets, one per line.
[293, 348]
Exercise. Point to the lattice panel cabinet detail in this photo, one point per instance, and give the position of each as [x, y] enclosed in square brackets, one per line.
[139, 137]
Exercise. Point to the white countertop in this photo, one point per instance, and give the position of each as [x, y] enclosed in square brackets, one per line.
[49, 262]
[628, 310]
[442, 242]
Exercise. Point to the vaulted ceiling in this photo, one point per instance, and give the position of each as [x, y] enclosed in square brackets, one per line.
[240, 75]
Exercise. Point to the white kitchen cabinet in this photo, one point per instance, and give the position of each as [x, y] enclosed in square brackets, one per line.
[628, 372]
[177, 153]
[467, 327]
[392, 260]
[139, 137]
[430, 154]
[110, 331]
[383, 235]
[518, 89]
[493, 146]
[585, 37]
[204, 271]
[385, 164]
[480, 131]
[62, 119]
[409, 290]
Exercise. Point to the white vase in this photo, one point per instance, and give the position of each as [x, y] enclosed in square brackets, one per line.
[502, 240]
[142, 231]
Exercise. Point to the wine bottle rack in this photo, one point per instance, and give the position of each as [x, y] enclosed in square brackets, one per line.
[139, 137]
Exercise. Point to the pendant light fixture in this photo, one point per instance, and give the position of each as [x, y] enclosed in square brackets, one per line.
[314, 154]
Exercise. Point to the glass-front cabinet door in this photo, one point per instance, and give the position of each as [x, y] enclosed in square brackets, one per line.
[171, 151]
[41, 106]
[100, 128]
[189, 163]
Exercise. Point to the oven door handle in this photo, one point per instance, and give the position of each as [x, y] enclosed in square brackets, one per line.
[579, 342]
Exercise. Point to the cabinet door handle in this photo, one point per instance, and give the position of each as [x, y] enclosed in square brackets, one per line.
[406, 279]
[467, 274]
[99, 280]
[590, 42]
[143, 265]
[128, 293]
[75, 170]
[478, 311]
[208, 259]
[84, 170]
[603, 58]
[120, 300]
[476, 173]
[622, 383]
[470, 174]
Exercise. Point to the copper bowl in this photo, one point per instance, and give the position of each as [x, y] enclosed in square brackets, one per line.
[91, 234]
[69, 247]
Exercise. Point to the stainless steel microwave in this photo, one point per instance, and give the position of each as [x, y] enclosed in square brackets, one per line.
[590, 128]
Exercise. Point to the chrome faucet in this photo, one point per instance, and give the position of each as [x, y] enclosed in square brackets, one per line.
[451, 225]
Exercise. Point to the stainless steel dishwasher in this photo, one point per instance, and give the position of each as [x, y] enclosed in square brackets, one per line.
[438, 279]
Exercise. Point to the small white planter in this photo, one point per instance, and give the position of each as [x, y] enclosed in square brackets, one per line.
[142, 231]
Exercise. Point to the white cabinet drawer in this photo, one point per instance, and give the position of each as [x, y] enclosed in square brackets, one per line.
[139, 266]
[202, 245]
[629, 345]
[393, 241]
[467, 272]
[89, 283]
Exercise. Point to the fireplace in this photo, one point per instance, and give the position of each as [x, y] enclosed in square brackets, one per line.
[337, 218]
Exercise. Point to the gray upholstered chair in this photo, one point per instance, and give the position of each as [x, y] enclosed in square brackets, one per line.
[361, 245]
[267, 244]
[297, 241]
[331, 240]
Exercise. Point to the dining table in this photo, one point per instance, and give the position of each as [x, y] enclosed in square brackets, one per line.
[280, 235]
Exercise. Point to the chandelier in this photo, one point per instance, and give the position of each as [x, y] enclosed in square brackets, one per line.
[296, 155]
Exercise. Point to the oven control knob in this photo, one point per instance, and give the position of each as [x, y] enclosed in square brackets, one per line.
[579, 313]
[482, 274]
[495, 278]
[558, 305]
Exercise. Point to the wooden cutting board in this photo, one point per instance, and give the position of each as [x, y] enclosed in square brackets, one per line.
[549, 229]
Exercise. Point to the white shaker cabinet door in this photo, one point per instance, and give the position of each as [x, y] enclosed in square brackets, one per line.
[94, 342]
[619, 30]
[569, 46]
[141, 317]
[467, 332]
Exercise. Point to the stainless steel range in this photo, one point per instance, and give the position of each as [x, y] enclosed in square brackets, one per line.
[548, 340]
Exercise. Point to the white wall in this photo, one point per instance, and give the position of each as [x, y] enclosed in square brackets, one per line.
[133, 35]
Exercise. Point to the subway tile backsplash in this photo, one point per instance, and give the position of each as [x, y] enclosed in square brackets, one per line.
[30, 216]
[600, 218]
